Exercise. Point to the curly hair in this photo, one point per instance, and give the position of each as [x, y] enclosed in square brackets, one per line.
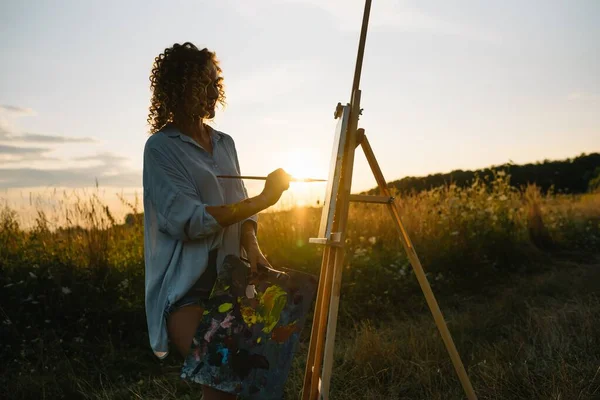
[179, 81]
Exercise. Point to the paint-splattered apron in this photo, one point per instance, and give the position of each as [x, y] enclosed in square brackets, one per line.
[247, 338]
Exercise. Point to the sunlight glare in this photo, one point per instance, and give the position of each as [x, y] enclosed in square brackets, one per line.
[301, 163]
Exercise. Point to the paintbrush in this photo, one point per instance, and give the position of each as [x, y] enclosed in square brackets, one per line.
[264, 178]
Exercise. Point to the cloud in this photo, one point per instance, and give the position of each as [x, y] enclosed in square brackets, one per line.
[6, 149]
[9, 132]
[67, 177]
[105, 158]
[107, 168]
[39, 138]
[17, 111]
[18, 154]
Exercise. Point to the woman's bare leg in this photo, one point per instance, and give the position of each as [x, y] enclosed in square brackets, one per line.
[182, 325]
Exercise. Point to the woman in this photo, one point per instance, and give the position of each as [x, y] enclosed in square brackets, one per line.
[192, 219]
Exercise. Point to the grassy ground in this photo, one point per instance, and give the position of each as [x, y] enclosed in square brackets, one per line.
[516, 275]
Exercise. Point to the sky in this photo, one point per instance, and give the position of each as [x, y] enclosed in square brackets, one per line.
[445, 85]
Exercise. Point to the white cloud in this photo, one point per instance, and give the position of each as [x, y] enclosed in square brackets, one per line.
[28, 165]
[10, 132]
[69, 177]
[17, 150]
[17, 111]
[18, 154]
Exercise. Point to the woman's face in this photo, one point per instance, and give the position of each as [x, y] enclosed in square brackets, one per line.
[212, 92]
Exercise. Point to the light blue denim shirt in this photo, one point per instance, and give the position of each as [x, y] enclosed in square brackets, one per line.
[179, 179]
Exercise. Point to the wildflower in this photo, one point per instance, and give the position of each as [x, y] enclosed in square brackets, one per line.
[503, 197]
[359, 252]
[79, 340]
[66, 290]
[372, 240]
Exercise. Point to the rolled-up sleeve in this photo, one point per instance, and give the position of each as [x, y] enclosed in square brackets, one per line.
[180, 214]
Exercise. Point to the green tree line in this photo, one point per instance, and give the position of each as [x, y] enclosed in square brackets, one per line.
[572, 175]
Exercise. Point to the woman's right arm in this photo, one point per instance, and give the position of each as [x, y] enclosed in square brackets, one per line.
[277, 182]
[182, 215]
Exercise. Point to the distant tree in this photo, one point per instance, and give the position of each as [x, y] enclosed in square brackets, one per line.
[594, 183]
[572, 175]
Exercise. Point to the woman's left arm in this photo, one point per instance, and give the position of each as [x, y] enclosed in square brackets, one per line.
[250, 243]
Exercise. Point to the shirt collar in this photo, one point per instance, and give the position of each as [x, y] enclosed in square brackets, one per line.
[171, 131]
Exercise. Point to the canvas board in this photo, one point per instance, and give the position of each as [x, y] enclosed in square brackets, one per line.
[335, 170]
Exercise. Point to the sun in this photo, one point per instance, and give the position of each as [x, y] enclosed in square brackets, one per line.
[302, 163]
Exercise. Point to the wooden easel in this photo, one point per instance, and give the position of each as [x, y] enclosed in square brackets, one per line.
[332, 234]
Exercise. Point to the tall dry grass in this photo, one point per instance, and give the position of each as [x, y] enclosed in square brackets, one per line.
[72, 298]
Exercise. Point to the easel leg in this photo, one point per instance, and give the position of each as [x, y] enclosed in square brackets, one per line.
[310, 361]
[322, 332]
[332, 323]
[421, 277]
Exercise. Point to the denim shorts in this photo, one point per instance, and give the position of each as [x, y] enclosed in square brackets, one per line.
[200, 292]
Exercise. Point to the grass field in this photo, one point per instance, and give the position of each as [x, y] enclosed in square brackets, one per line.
[516, 274]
